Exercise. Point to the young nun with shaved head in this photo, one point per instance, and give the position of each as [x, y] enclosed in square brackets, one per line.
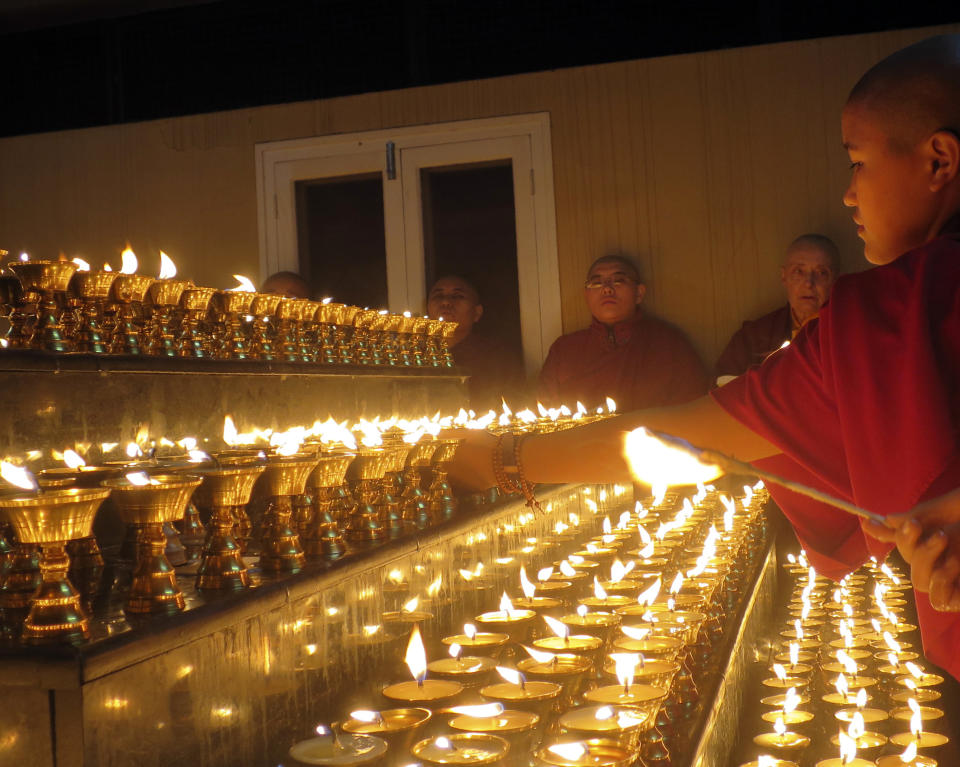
[865, 403]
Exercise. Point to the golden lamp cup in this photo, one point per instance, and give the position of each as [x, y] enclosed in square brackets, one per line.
[365, 473]
[224, 489]
[619, 723]
[191, 340]
[93, 290]
[129, 291]
[416, 500]
[466, 748]
[329, 315]
[397, 726]
[50, 279]
[161, 499]
[264, 310]
[283, 478]
[595, 752]
[227, 307]
[419, 341]
[50, 519]
[165, 297]
[322, 532]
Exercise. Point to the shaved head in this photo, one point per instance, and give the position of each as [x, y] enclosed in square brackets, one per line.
[914, 92]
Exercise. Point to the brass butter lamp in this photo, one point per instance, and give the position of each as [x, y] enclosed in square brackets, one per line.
[50, 519]
[322, 535]
[93, 290]
[224, 489]
[129, 290]
[150, 502]
[191, 340]
[158, 333]
[50, 280]
[284, 477]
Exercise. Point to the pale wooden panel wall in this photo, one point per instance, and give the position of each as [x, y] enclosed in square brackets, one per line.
[702, 166]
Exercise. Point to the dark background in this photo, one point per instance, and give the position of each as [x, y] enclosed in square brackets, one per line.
[76, 63]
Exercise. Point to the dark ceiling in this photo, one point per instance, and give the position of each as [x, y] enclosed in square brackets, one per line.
[82, 63]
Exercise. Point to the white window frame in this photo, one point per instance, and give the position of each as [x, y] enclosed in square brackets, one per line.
[280, 164]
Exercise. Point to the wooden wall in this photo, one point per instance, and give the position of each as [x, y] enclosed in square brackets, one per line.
[702, 166]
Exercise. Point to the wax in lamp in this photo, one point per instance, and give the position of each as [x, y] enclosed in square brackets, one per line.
[593, 752]
[782, 742]
[346, 750]
[517, 692]
[868, 743]
[578, 644]
[507, 620]
[494, 719]
[909, 758]
[471, 639]
[848, 755]
[461, 748]
[918, 714]
[460, 667]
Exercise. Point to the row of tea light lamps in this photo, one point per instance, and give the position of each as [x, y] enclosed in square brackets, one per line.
[602, 661]
[64, 306]
[328, 488]
[845, 678]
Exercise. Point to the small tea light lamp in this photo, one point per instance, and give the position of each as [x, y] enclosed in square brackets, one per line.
[621, 724]
[427, 692]
[782, 742]
[909, 758]
[868, 743]
[530, 601]
[516, 692]
[844, 696]
[461, 748]
[396, 726]
[508, 620]
[789, 712]
[918, 678]
[645, 697]
[598, 624]
[594, 752]
[565, 669]
[917, 735]
[869, 715]
[408, 614]
[470, 669]
[768, 761]
[782, 680]
[516, 727]
[330, 749]
[491, 644]
[848, 755]
[562, 641]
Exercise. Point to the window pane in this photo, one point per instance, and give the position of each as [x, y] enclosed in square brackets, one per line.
[341, 238]
[469, 229]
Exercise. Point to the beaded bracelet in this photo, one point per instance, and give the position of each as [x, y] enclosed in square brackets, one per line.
[508, 486]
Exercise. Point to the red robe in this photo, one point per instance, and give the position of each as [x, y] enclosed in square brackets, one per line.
[864, 404]
[642, 362]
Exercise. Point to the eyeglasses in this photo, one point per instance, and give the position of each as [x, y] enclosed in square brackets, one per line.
[616, 282]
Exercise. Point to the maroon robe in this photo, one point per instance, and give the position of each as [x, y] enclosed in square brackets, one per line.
[864, 404]
[642, 362]
[755, 340]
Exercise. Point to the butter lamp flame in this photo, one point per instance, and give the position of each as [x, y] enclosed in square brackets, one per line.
[168, 269]
[559, 628]
[571, 751]
[244, 284]
[17, 476]
[416, 656]
[483, 710]
[128, 261]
